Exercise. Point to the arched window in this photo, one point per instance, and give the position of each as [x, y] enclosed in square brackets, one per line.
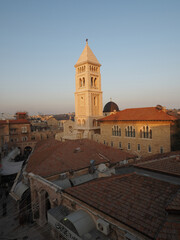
[116, 131]
[91, 81]
[80, 82]
[83, 81]
[95, 82]
[112, 131]
[146, 132]
[130, 131]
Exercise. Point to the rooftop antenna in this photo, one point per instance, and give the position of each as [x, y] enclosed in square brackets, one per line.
[110, 99]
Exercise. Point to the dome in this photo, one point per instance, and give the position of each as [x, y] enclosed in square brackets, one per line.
[111, 107]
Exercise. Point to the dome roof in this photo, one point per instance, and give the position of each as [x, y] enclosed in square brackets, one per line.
[111, 107]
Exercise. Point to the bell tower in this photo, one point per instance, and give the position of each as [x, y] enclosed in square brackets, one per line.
[88, 95]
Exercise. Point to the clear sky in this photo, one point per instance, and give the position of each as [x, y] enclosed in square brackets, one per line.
[136, 41]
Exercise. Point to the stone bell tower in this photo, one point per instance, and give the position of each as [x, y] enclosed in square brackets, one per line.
[88, 95]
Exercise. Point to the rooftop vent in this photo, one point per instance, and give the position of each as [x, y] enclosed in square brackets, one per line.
[102, 168]
[78, 149]
[159, 107]
[92, 167]
[103, 226]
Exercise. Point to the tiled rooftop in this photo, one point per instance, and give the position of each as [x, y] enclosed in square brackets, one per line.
[170, 231]
[139, 114]
[175, 204]
[14, 121]
[51, 157]
[168, 165]
[137, 201]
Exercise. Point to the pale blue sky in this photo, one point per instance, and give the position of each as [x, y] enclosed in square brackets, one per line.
[136, 41]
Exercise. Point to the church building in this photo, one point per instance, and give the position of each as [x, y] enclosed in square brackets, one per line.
[88, 97]
[140, 131]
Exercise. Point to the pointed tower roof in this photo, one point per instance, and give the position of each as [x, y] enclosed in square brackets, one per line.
[87, 56]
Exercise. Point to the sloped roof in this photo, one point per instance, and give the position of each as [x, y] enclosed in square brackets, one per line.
[14, 121]
[61, 117]
[52, 157]
[139, 114]
[87, 56]
[169, 231]
[175, 204]
[134, 200]
[170, 166]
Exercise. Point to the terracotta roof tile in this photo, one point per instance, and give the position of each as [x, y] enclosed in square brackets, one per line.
[169, 165]
[134, 200]
[139, 114]
[175, 204]
[52, 157]
[170, 231]
[14, 121]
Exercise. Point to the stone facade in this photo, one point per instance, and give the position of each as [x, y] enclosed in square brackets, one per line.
[15, 133]
[159, 143]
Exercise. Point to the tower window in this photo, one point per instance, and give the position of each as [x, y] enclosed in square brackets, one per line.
[80, 82]
[95, 101]
[129, 146]
[92, 82]
[83, 81]
[95, 82]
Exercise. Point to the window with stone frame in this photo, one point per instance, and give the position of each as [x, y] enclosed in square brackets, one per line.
[161, 150]
[116, 131]
[139, 147]
[146, 132]
[149, 149]
[24, 129]
[130, 131]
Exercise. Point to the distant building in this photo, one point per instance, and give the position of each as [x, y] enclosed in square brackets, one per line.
[16, 133]
[21, 132]
[57, 121]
